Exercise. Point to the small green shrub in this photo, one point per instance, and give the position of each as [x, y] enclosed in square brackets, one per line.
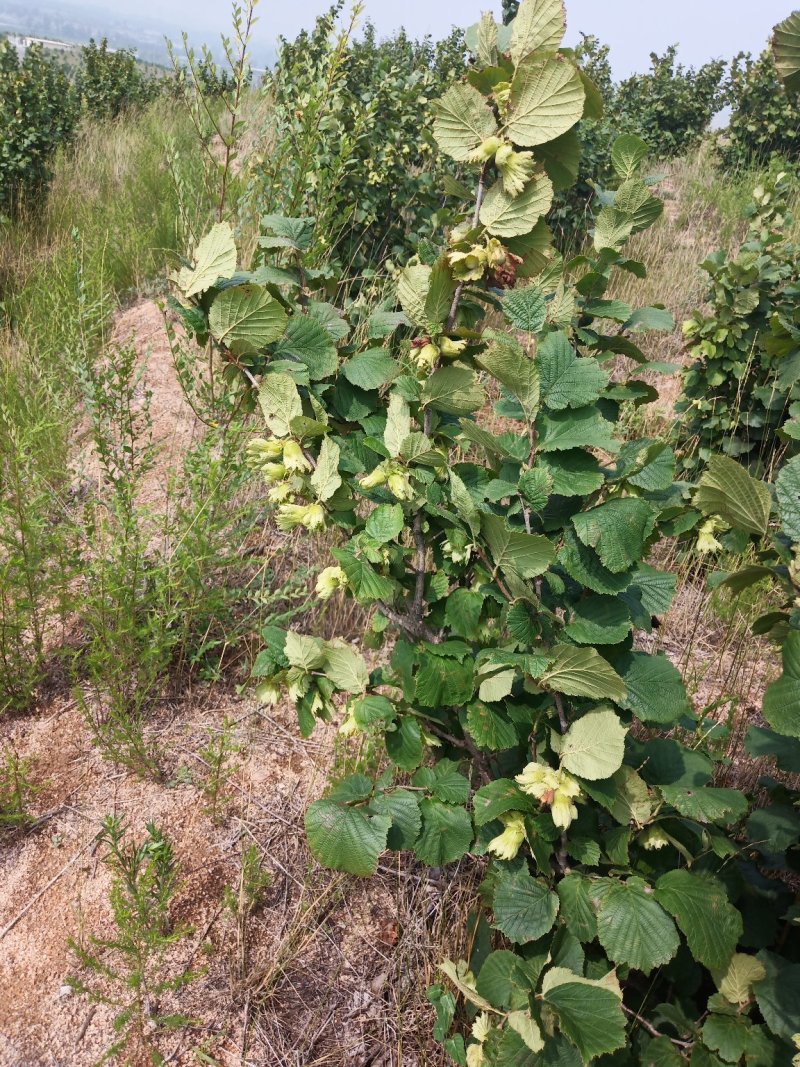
[128, 642]
[110, 82]
[500, 552]
[349, 149]
[741, 395]
[130, 971]
[671, 106]
[37, 115]
[38, 542]
[765, 117]
[16, 790]
[217, 755]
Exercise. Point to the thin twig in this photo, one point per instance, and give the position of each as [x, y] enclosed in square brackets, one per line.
[652, 1030]
[85, 1024]
[416, 628]
[419, 567]
[562, 718]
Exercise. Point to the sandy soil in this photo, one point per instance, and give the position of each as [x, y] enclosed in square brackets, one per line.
[332, 970]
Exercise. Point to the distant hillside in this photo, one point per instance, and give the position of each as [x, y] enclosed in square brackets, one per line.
[68, 54]
[76, 23]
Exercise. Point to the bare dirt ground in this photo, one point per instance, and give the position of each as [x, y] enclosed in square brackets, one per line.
[335, 968]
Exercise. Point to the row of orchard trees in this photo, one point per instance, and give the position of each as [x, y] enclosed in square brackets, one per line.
[495, 527]
[41, 105]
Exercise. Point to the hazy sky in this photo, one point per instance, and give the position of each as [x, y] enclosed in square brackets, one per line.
[704, 28]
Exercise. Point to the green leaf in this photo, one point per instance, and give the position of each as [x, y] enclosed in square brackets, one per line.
[786, 51]
[567, 381]
[413, 286]
[504, 215]
[526, 308]
[521, 1022]
[344, 838]
[524, 908]
[444, 781]
[655, 689]
[700, 906]
[762, 742]
[627, 154]
[706, 804]
[582, 564]
[538, 27]
[632, 928]
[498, 797]
[398, 424]
[327, 316]
[445, 1005]
[305, 652]
[345, 667]
[580, 428]
[612, 229]
[297, 232]
[594, 746]
[246, 318]
[454, 390]
[363, 581]
[371, 369]
[650, 318]
[489, 728]
[589, 1015]
[462, 121]
[727, 490]
[441, 290]
[464, 504]
[308, 340]
[616, 310]
[617, 531]
[527, 555]
[374, 709]
[463, 612]
[497, 686]
[535, 487]
[444, 682]
[326, 478]
[574, 892]
[533, 249]
[787, 492]
[727, 1035]
[574, 472]
[404, 743]
[777, 997]
[280, 402]
[385, 522]
[774, 829]
[736, 981]
[214, 258]
[503, 980]
[546, 100]
[562, 157]
[402, 807]
[656, 588]
[599, 620]
[634, 198]
[582, 672]
[506, 361]
[446, 833]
